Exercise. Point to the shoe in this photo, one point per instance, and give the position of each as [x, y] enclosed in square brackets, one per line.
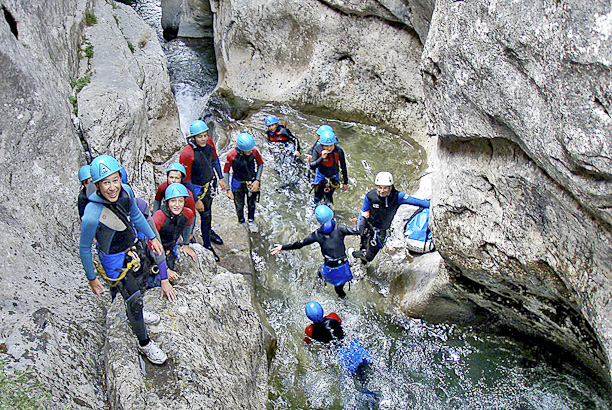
[349, 256]
[214, 253]
[241, 221]
[153, 353]
[214, 238]
[150, 318]
[251, 220]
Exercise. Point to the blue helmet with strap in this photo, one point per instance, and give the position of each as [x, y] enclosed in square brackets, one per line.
[245, 142]
[103, 166]
[314, 311]
[197, 127]
[175, 190]
[84, 173]
[177, 166]
[271, 119]
[324, 214]
[327, 138]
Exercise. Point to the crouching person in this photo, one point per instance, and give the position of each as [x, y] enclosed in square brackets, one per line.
[108, 217]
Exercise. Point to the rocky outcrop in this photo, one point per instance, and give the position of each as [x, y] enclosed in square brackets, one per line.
[520, 102]
[98, 58]
[186, 18]
[354, 59]
[136, 83]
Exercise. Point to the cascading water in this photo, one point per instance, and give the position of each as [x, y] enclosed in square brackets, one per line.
[416, 365]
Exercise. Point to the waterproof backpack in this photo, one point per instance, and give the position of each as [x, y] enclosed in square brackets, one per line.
[418, 236]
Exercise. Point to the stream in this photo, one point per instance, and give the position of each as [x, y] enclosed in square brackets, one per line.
[416, 364]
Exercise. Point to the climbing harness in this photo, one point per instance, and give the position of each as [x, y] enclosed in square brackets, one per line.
[133, 265]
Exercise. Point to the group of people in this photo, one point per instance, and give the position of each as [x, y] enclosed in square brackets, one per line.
[136, 250]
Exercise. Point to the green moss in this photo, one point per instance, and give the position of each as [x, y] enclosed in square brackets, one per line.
[90, 18]
[131, 47]
[17, 391]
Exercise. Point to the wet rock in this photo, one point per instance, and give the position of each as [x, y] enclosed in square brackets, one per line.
[351, 58]
[520, 104]
[186, 18]
[213, 338]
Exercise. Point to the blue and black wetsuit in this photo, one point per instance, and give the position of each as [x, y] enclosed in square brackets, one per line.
[330, 237]
[111, 224]
[374, 229]
[327, 172]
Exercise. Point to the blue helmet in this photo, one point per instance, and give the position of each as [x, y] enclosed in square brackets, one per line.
[245, 142]
[84, 173]
[327, 138]
[314, 311]
[271, 119]
[324, 214]
[177, 166]
[175, 190]
[324, 127]
[197, 127]
[103, 166]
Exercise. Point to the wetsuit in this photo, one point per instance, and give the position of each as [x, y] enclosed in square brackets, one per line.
[282, 134]
[327, 172]
[170, 227]
[82, 201]
[160, 195]
[330, 238]
[328, 329]
[111, 224]
[200, 164]
[374, 230]
[246, 169]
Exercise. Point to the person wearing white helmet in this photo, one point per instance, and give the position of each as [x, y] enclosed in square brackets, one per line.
[379, 208]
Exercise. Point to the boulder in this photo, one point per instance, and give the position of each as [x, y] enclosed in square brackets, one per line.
[520, 102]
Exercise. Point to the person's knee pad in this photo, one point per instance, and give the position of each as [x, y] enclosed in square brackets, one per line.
[134, 304]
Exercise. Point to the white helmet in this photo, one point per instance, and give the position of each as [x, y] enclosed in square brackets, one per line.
[384, 178]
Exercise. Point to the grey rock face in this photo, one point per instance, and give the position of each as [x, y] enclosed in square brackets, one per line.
[522, 210]
[351, 58]
[136, 83]
[187, 18]
[213, 338]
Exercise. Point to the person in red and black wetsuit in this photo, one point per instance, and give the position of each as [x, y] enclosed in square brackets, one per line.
[201, 162]
[172, 221]
[280, 133]
[175, 175]
[327, 161]
[323, 329]
[247, 168]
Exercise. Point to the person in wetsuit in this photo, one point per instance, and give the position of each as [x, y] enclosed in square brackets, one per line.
[379, 207]
[320, 130]
[247, 167]
[330, 237]
[280, 133]
[172, 221]
[84, 179]
[323, 329]
[201, 162]
[108, 217]
[328, 160]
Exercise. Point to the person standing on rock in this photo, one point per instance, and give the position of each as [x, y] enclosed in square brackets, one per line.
[247, 166]
[330, 237]
[379, 207]
[172, 221]
[327, 161]
[201, 162]
[84, 179]
[108, 217]
[175, 175]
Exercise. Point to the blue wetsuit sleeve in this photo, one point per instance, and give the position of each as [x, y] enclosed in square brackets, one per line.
[217, 166]
[404, 198]
[163, 270]
[89, 225]
[366, 204]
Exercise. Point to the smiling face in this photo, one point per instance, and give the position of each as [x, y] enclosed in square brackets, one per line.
[176, 205]
[110, 187]
[383, 190]
[273, 127]
[175, 177]
[201, 139]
